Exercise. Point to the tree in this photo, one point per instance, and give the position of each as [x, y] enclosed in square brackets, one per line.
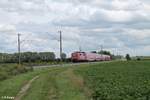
[128, 57]
[138, 59]
[63, 56]
[93, 52]
[104, 52]
[27, 57]
[47, 56]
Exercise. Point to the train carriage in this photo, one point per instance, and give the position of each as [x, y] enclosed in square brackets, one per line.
[83, 56]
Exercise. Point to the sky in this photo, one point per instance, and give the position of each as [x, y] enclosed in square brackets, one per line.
[121, 26]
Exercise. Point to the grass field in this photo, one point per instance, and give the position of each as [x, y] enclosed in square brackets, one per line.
[100, 81]
[9, 70]
[118, 80]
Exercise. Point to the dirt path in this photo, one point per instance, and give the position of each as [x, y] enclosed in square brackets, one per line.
[78, 82]
[71, 86]
[24, 89]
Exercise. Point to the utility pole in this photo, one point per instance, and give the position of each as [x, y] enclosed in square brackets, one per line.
[60, 32]
[19, 53]
[117, 52]
[80, 49]
[101, 51]
[101, 48]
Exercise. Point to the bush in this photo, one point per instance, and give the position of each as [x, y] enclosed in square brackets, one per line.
[8, 70]
[128, 57]
[138, 59]
[3, 75]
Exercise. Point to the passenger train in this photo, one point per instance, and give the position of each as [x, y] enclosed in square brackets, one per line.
[83, 56]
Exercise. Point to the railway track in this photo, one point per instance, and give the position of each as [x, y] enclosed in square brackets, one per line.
[70, 64]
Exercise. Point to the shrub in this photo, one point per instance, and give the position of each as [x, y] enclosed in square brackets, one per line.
[3, 75]
[128, 57]
[8, 70]
[138, 59]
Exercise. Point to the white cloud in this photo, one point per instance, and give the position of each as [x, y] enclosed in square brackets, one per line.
[119, 16]
[122, 24]
[126, 4]
[138, 34]
[7, 28]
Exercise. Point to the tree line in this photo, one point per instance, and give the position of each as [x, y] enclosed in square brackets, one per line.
[102, 52]
[27, 57]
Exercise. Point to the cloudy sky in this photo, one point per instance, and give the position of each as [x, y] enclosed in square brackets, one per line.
[121, 26]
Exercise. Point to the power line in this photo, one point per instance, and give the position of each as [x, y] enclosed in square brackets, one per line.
[60, 43]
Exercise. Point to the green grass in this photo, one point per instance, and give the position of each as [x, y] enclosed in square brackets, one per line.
[70, 87]
[44, 88]
[99, 81]
[55, 85]
[9, 70]
[11, 87]
[118, 80]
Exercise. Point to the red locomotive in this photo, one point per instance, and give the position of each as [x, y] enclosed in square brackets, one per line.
[83, 56]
